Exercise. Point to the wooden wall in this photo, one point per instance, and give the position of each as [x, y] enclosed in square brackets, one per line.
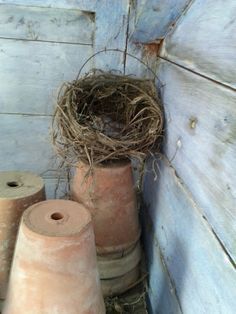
[155, 17]
[189, 212]
[42, 45]
[191, 208]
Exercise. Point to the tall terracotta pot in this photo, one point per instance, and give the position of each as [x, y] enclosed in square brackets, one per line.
[109, 193]
[54, 268]
[18, 190]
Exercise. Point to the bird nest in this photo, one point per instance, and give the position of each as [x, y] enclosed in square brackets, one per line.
[105, 117]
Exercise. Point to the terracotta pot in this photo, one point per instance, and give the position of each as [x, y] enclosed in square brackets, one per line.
[118, 254]
[18, 190]
[111, 268]
[119, 285]
[109, 193]
[54, 268]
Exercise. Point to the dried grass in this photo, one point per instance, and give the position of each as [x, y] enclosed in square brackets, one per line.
[103, 117]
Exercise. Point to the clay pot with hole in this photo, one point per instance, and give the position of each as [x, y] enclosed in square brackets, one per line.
[18, 190]
[54, 268]
[109, 194]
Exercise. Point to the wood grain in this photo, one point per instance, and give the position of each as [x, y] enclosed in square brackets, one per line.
[161, 294]
[112, 18]
[46, 24]
[204, 278]
[84, 5]
[25, 143]
[155, 17]
[201, 144]
[55, 189]
[32, 72]
[205, 40]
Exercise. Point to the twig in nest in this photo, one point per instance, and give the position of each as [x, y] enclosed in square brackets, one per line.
[104, 117]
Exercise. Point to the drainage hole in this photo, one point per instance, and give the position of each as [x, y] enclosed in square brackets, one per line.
[13, 184]
[57, 216]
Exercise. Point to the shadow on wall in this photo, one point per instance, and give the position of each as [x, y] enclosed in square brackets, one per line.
[162, 250]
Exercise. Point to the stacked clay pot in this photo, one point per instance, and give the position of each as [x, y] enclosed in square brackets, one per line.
[54, 268]
[18, 190]
[109, 194]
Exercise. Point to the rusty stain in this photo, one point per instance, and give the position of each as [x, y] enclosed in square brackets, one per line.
[153, 48]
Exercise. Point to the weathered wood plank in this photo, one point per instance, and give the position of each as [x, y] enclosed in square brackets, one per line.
[46, 24]
[53, 190]
[111, 33]
[204, 278]
[25, 143]
[64, 4]
[205, 40]
[201, 142]
[111, 20]
[154, 18]
[32, 72]
[161, 293]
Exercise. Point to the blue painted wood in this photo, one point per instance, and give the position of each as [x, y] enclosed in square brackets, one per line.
[64, 4]
[46, 24]
[39, 52]
[35, 71]
[25, 143]
[204, 40]
[203, 275]
[161, 293]
[154, 18]
[111, 32]
[201, 142]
